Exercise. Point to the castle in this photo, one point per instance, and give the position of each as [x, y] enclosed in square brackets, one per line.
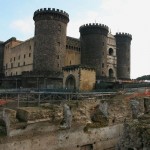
[51, 59]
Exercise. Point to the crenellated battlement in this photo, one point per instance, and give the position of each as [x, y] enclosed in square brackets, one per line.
[95, 25]
[123, 34]
[52, 11]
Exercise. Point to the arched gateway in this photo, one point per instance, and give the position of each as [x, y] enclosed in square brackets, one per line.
[70, 82]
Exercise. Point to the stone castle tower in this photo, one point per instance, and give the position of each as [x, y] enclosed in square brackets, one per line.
[123, 43]
[50, 39]
[50, 57]
[93, 47]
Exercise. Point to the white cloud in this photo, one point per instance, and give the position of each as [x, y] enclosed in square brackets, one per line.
[129, 16]
[24, 26]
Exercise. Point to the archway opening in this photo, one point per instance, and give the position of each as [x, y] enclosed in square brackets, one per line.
[70, 82]
[111, 51]
[111, 73]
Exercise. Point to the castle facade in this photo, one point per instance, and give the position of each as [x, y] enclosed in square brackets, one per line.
[50, 56]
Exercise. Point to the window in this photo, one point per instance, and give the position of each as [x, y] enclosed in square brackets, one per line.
[11, 65]
[30, 47]
[103, 53]
[24, 55]
[57, 56]
[57, 65]
[58, 43]
[18, 64]
[14, 58]
[19, 57]
[10, 59]
[16, 73]
[111, 73]
[70, 62]
[59, 27]
[110, 51]
[6, 66]
[29, 54]
[24, 63]
[102, 65]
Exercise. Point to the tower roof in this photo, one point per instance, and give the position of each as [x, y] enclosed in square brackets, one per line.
[51, 11]
[123, 34]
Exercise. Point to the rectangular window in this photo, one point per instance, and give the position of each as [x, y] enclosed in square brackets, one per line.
[29, 54]
[18, 64]
[19, 57]
[24, 55]
[11, 65]
[24, 63]
[59, 27]
[14, 58]
[6, 66]
[102, 65]
[58, 43]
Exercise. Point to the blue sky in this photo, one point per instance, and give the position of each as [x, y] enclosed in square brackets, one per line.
[131, 16]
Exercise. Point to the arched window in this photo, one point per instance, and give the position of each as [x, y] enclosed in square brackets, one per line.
[110, 51]
[111, 73]
[70, 82]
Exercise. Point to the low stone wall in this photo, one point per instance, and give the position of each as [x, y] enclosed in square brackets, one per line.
[73, 139]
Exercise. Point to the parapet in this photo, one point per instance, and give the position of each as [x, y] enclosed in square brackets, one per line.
[95, 25]
[11, 39]
[50, 11]
[94, 28]
[122, 34]
[74, 67]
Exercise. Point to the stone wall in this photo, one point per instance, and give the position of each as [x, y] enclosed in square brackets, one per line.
[136, 133]
[87, 79]
[93, 122]
[18, 57]
[72, 57]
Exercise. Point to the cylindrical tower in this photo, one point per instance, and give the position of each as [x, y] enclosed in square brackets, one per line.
[94, 47]
[50, 39]
[123, 44]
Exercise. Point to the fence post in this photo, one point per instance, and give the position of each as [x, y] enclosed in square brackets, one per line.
[18, 100]
[39, 99]
[6, 99]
